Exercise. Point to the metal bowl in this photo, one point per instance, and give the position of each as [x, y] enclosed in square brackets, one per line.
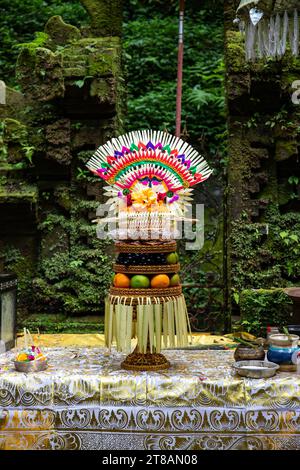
[32, 366]
[256, 369]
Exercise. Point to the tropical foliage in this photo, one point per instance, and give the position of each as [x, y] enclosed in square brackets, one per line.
[150, 53]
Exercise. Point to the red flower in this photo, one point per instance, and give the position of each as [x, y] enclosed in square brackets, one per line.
[161, 196]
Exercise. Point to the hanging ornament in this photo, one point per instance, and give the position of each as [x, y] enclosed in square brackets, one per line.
[270, 27]
[255, 15]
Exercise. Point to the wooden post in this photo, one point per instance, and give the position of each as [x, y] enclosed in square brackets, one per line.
[179, 69]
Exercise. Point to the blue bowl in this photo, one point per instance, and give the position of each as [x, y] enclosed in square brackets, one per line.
[281, 355]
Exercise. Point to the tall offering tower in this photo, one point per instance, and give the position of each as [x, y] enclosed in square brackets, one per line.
[150, 174]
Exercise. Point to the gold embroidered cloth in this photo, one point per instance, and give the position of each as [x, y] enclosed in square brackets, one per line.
[85, 401]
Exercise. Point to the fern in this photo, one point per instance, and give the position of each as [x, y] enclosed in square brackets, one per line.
[39, 41]
[199, 98]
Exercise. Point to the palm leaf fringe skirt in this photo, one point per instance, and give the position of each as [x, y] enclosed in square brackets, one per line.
[154, 322]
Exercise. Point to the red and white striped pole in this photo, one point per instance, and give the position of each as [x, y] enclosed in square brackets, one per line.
[179, 69]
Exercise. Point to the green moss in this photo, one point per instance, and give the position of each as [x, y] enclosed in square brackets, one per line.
[105, 16]
[235, 52]
[100, 88]
[12, 167]
[41, 39]
[62, 195]
[39, 73]
[23, 266]
[286, 149]
[14, 142]
[14, 131]
[92, 57]
[16, 192]
[261, 259]
[61, 32]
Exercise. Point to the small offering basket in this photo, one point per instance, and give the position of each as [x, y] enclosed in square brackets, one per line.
[30, 358]
[32, 366]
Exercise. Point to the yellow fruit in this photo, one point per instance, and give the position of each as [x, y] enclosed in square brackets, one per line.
[175, 280]
[22, 357]
[172, 258]
[160, 281]
[121, 280]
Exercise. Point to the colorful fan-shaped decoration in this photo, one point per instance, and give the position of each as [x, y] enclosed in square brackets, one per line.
[150, 172]
[150, 158]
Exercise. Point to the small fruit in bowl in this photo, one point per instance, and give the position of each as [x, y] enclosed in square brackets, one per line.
[140, 282]
[160, 281]
[172, 258]
[30, 354]
[175, 280]
[22, 357]
[121, 280]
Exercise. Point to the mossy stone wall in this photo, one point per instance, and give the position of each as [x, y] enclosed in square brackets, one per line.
[263, 218]
[71, 102]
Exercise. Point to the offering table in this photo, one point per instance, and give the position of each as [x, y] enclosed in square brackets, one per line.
[85, 401]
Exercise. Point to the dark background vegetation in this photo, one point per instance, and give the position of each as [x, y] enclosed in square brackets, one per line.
[150, 38]
[150, 60]
[251, 201]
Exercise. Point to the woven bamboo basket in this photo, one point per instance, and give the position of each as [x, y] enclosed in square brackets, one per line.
[159, 247]
[134, 301]
[145, 362]
[167, 268]
[153, 293]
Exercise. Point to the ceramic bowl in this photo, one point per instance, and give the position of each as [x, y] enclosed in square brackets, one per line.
[31, 366]
[244, 353]
[256, 369]
[282, 340]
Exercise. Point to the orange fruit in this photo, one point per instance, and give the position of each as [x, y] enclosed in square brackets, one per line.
[160, 281]
[121, 280]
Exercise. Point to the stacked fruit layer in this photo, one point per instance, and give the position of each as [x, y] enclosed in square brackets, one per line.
[145, 280]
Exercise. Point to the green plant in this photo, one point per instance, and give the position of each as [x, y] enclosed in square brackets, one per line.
[80, 83]
[82, 174]
[43, 324]
[266, 260]
[264, 307]
[29, 151]
[151, 101]
[39, 41]
[20, 20]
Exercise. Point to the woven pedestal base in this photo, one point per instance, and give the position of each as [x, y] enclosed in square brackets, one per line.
[287, 368]
[145, 362]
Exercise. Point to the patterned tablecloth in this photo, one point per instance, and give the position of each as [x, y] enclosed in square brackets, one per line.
[85, 401]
